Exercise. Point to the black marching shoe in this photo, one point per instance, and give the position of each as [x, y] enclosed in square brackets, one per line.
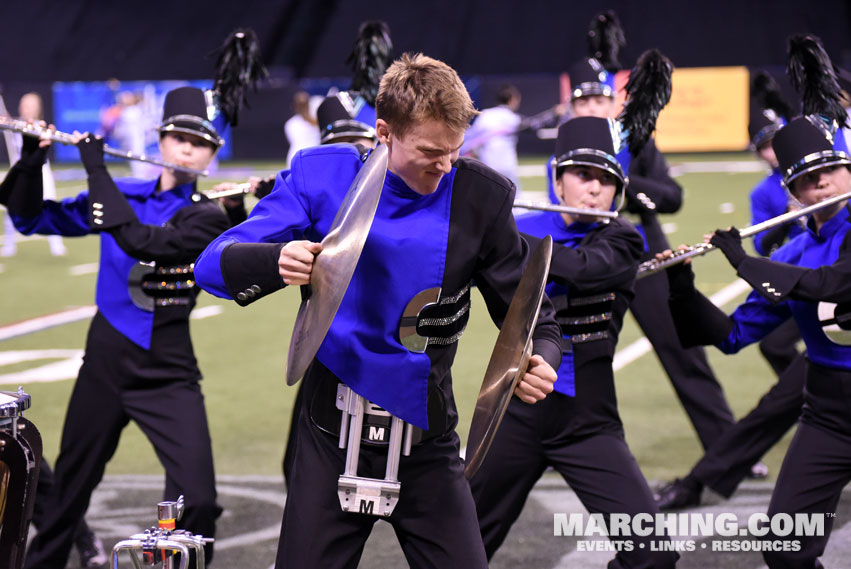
[758, 471]
[677, 495]
[89, 547]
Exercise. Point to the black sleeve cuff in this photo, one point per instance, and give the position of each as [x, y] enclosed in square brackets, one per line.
[108, 208]
[547, 350]
[22, 190]
[236, 213]
[771, 279]
[699, 322]
[250, 270]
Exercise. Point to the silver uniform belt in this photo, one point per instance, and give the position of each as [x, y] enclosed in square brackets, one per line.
[151, 285]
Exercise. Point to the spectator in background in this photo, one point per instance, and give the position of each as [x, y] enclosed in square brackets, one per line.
[30, 109]
[300, 129]
[128, 129]
[493, 136]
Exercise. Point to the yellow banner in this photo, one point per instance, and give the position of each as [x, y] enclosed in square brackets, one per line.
[708, 111]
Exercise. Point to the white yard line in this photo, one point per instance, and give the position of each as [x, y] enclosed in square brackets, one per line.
[84, 269]
[66, 368]
[48, 321]
[207, 312]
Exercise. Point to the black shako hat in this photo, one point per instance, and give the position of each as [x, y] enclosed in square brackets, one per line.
[589, 77]
[590, 141]
[769, 111]
[763, 125]
[804, 145]
[336, 118]
[185, 110]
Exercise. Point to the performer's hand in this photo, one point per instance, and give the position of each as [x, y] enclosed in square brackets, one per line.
[537, 382]
[730, 243]
[230, 202]
[296, 261]
[91, 150]
[263, 186]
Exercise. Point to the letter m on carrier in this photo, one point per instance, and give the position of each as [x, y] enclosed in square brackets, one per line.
[376, 433]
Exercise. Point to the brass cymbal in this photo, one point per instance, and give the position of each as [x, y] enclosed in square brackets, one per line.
[510, 356]
[334, 266]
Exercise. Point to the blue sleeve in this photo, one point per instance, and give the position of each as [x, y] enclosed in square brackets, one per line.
[280, 217]
[551, 191]
[753, 320]
[761, 210]
[69, 217]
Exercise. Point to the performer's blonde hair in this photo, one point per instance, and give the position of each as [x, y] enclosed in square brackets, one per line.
[416, 88]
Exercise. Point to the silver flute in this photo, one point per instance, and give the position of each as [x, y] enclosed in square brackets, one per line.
[238, 190]
[654, 266]
[29, 129]
[544, 206]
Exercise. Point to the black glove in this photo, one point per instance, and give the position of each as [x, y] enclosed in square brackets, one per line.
[264, 188]
[680, 280]
[33, 157]
[91, 153]
[730, 243]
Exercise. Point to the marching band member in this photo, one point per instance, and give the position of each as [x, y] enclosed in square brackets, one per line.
[437, 225]
[577, 430]
[791, 285]
[652, 191]
[30, 108]
[769, 198]
[729, 459]
[139, 363]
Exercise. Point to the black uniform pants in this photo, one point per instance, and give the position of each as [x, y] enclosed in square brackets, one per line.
[699, 392]
[599, 468]
[729, 459]
[109, 392]
[817, 465]
[434, 521]
[42, 491]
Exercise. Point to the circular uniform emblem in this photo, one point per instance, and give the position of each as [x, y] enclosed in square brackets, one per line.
[835, 320]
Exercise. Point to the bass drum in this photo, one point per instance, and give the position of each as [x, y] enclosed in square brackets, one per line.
[20, 457]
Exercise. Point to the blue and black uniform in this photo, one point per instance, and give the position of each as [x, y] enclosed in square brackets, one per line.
[577, 429]
[652, 191]
[793, 285]
[768, 200]
[462, 232]
[139, 363]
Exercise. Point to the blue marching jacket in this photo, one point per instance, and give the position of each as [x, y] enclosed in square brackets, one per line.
[168, 228]
[407, 251]
[769, 199]
[775, 299]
